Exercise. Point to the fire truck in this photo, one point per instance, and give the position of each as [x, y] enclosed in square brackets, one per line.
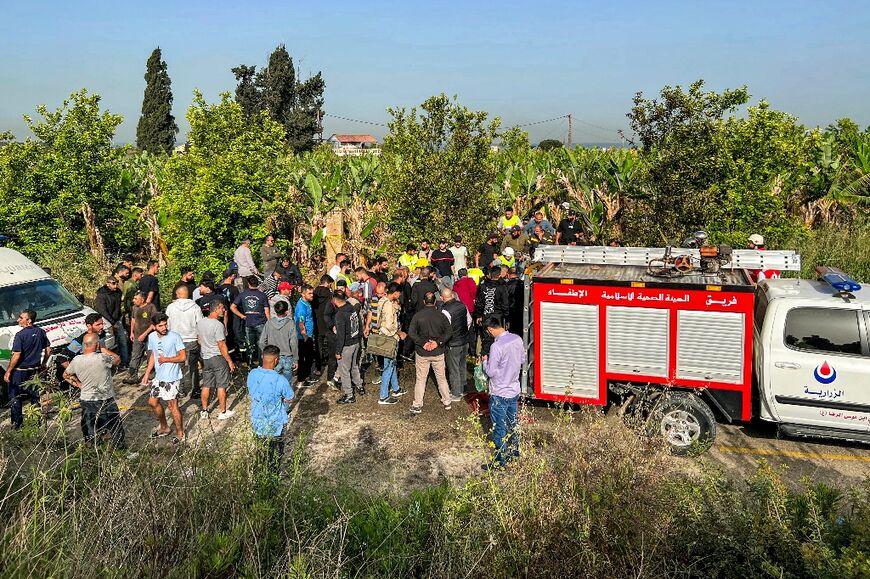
[682, 337]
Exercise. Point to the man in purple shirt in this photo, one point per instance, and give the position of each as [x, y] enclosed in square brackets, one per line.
[503, 366]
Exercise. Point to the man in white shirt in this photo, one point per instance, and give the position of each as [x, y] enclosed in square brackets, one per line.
[460, 253]
[336, 267]
[245, 262]
[184, 315]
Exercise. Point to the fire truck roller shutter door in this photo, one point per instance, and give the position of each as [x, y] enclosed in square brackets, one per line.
[710, 346]
[637, 341]
[569, 350]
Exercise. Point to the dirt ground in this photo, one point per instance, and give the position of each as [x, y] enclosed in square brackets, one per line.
[385, 448]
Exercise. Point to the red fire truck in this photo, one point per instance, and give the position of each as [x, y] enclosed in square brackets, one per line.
[683, 337]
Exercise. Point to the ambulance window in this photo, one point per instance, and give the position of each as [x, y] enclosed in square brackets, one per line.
[823, 330]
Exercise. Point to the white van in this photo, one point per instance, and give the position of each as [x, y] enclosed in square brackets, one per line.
[25, 285]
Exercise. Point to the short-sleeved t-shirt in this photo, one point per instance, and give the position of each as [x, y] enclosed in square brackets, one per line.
[460, 257]
[210, 332]
[304, 313]
[487, 254]
[167, 346]
[268, 390]
[443, 262]
[143, 316]
[30, 342]
[94, 371]
[149, 284]
[253, 304]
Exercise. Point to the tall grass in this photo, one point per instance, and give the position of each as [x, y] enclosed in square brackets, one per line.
[845, 247]
[588, 498]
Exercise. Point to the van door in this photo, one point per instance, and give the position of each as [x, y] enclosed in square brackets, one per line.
[820, 368]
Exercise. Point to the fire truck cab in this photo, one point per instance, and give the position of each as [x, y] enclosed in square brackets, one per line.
[693, 346]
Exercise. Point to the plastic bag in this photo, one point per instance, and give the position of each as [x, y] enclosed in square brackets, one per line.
[481, 380]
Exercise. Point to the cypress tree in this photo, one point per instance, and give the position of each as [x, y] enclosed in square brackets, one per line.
[157, 129]
[295, 104]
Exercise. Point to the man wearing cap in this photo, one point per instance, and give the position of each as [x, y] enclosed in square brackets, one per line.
[486, 252]
[569, 232]
[516, 240]
[756, 242]
[244, 263]
[285, 290]
[444, 264]
[539, 220]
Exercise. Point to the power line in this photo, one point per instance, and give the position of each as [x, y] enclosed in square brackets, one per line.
[354, 120]
[541, 122]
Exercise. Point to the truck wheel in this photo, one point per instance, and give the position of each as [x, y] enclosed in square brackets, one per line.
[684, 421]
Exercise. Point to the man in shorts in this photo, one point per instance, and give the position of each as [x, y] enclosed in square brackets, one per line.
[166, 359]
[217, 364]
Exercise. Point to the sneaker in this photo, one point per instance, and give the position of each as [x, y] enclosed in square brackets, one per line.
[225, 415]
[361, 390]
[377, 380]
[454, 398]
[400, 392]
[300, 385]
[346, 400]
[331, 383]
[447, 406]
[387, 400]
[131, 380]
[416, 409]
[203, 414]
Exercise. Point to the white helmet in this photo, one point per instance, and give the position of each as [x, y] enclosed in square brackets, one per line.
[508, 252]
[756, 239]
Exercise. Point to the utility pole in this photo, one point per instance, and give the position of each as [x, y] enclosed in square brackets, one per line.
[570, 131]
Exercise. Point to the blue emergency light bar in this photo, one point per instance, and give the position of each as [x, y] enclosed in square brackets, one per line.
[837, 279]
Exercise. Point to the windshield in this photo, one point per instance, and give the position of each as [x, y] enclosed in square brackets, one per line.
[46, 297]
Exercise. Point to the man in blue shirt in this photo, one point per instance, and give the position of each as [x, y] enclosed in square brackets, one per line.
[30, 352]
[270, 394]
[166, 359]
[304, 317]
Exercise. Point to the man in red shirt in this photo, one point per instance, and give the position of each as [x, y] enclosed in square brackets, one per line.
[466, 290]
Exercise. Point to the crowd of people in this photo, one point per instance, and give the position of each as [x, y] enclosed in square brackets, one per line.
[433, 307]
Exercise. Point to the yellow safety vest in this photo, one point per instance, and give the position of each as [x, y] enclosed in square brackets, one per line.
[409, 261]
[508, 262]
[508, 223]
[476, 274]
[343, 276]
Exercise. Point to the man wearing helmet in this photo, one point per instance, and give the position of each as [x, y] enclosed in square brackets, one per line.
[756, 241]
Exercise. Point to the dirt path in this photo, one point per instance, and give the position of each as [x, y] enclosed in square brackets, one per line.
[385, 448]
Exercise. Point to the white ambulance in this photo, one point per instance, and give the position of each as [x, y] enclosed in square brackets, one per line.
[25, 285]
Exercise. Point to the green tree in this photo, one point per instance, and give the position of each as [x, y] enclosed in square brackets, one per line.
[224, 187]
[157, 129]
[296, 105]
[550, 144]
[677, 135]
[63, 189]
[438, 170]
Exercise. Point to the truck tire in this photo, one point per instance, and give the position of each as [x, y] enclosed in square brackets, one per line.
[684, 421]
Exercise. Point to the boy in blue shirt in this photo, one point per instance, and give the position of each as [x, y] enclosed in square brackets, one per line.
[270, 395]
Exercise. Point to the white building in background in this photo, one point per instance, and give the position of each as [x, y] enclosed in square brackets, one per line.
[354, 144]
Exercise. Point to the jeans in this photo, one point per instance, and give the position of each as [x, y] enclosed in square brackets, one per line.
[102, 416]
[389, 378]
[140, 350]
[122, 341]
[503, 413]
[348, 369]
[285, 368]
[457, 373]
[18, 394]
[252, 339]
[190, 370]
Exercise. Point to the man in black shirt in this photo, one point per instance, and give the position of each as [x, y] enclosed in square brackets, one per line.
[149, 285]
[108, 305]
[443, 260]
[570, 232]
[322, 330]
[187, 279]
[491, 300]
[486, 252]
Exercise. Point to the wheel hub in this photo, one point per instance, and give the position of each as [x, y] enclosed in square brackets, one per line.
[680, 428]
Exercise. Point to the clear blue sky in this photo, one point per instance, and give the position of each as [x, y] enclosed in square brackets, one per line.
[523, 61]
